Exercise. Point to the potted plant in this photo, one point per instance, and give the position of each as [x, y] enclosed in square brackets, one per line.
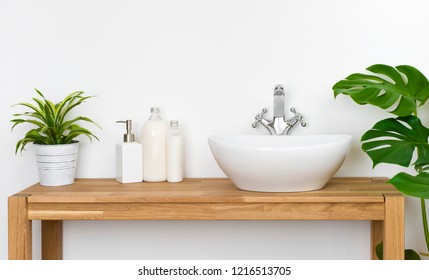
[53, 136]
[400, 90]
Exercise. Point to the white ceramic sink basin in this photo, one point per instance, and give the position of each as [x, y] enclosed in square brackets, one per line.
[268, 163]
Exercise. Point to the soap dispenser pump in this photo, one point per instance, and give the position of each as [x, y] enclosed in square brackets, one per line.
[129, 158]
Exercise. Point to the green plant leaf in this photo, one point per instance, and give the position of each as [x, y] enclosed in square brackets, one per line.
[411, 255]
[64, 104]
[75, 101]
[32, 136]
[417, 186]
[66, 125]
[51, 121]
[379, 250]
[49, 114]
[75, 131]
[19, 121]
[32, 115]
[39, 93]
[36, 112]
[395, 140]
[397, 89]
[40, 104]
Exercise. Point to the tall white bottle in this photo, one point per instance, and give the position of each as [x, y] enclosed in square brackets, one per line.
[153, 139]
[129, 158]
[174, 153]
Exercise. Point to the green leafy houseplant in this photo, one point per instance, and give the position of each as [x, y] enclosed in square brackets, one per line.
[54, 135]
[400, 90]
[52, 125]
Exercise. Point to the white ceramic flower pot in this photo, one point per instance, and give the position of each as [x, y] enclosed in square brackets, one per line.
[56, 163]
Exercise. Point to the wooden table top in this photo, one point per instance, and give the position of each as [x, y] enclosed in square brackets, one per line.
[204, 190]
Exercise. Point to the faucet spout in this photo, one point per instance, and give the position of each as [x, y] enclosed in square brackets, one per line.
[279, 102]
[280, 124]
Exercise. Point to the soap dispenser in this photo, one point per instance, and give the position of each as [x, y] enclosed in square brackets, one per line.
[129, 158]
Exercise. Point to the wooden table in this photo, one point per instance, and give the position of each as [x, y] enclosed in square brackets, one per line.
[201, 199]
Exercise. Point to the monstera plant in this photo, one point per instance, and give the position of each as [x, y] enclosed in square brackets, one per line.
[401, 91]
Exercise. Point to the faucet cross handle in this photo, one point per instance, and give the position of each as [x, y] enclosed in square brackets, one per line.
[296, 118]
[259, 117]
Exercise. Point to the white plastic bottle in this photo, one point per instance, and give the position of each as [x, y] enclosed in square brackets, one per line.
[174, 153]
[153, 139]
[129, 158]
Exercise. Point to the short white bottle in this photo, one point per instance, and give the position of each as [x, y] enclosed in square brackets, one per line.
[153, 139]
[174, 153]
[129, 158]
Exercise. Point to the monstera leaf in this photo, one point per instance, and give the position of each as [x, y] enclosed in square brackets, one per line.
[398, 90]
[395, 140]
[417, 186]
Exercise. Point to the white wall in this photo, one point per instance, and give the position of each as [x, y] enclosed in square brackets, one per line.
[211, 64]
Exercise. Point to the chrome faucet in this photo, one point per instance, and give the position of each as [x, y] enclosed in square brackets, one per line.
[279, 125]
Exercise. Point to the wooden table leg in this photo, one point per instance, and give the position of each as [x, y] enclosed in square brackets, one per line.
[393, 227]
[52, 240]
[376, 236]
[19, 229]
